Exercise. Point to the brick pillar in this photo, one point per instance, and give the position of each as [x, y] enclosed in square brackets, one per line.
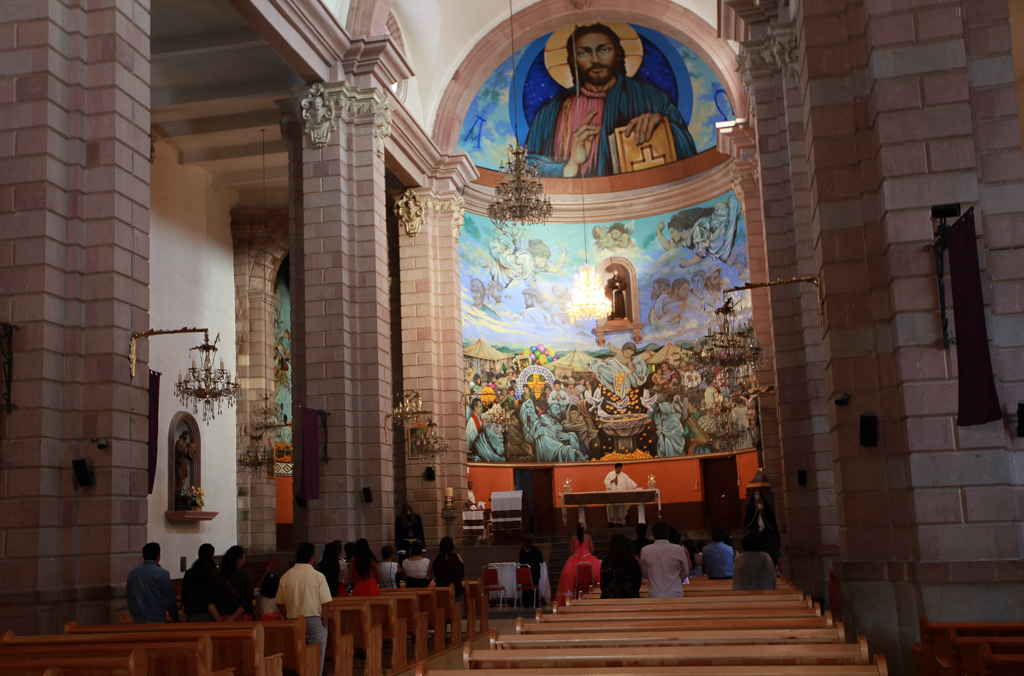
[340, 304]
[260, 244]
[74, 270]
[432, 343]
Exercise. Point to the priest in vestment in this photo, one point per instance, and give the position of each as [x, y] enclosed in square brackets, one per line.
[617, 480]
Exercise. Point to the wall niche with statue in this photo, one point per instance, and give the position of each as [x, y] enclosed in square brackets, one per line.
[185, 467]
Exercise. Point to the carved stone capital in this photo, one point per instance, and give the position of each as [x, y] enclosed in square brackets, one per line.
[775, 51]
[413, 210]
[320, 106]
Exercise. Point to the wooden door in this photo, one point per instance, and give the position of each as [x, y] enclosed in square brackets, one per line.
[543, 501]
[721, 493]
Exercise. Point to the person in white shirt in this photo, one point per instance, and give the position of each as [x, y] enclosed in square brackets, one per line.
[665, 565]
[471, 498]
[303, 590]
[617, 480]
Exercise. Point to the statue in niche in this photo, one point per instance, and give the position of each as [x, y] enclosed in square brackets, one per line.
[615, 290]
[184, 454]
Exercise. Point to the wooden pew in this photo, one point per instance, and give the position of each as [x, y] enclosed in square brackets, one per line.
[134, 663]
[452, 611]
[989, 664]
[235, 645]
[722, 624]
[706, 603]
[663, 637]
[685, 614]
[428, 604]
[734, 654]
[924, 652]
[383, 612]
[476, 606]
[961, 655]
[693, 594]
[284, 637]
[878, 668]
[356, 623]
[185, 657]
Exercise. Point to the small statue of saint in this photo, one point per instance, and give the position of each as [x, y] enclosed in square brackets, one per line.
[184, 451]
[615, 291]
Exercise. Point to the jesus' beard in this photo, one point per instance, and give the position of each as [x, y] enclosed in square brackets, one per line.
[597, 76]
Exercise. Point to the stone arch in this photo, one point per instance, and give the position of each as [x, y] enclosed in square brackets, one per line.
[368, 17]
[547, 15]
[186, 419]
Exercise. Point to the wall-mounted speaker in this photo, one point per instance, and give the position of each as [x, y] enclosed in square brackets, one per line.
[1020, 418]
[302, 503]
[83, 474]
[429, 474]
[868, 429]
[367, 495]
[801, 477]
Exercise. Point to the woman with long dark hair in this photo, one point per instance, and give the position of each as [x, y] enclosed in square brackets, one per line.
[582, 552]
[233, 588]
[621, 576]
[417, 568]
[448, 566]
[330, 566]
[364, 573]
[696, 558]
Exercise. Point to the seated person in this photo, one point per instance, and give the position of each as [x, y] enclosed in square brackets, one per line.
[418, 570]
[753, 569]
[718, 557]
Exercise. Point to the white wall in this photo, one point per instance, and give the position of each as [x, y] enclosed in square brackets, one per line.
[191, 284]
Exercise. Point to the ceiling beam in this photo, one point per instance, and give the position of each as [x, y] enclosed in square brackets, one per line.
[232, 178]
[165, 97]
[198, 126]
[204, 43]
[274, 146]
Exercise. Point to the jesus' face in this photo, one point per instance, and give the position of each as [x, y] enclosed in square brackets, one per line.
[595, 58]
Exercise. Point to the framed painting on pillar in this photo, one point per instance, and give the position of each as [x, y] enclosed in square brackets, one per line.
[415, 441]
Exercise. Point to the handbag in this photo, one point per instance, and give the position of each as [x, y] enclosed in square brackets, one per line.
[246, 617]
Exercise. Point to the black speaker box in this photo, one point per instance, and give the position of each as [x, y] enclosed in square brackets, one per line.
[868, 429]
[801, 477]
[367, 495]
[429, 474]
[83, 474]
[1020, 418]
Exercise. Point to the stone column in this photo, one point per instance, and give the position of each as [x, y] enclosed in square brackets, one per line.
[74, 269]
[340, 303]
[260, 244]
[429, 224]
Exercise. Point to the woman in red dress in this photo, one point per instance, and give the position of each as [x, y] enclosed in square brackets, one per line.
[582, 552]
[364, 573]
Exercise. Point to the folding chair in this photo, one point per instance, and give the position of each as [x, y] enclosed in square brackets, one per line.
[491, 583]
[524, 582]
[584, 578]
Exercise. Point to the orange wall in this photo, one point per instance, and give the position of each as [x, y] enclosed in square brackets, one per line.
[283, 489]
[678, 478]
[489, 479]
[746, 468]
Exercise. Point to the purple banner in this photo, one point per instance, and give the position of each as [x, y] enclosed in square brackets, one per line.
[154, 425]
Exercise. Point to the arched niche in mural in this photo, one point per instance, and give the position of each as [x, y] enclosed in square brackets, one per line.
[647, 102]
[184, 459]
[626, 318]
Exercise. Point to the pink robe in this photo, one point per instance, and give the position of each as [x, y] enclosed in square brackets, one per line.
[567, 581]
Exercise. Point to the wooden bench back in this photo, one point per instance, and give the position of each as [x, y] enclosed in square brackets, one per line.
[666, 637]
[173, 658]
[736, 654]
[686, 603]
[775, 594]
[134, 663]
[687, 614]
[239, 647]
[724, 624]
[925, 652]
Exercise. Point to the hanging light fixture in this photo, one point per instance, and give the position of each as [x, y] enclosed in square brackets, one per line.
[588, 300]
[206, 384]
[519, 196]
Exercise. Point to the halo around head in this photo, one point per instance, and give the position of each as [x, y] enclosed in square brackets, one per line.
[556, 59]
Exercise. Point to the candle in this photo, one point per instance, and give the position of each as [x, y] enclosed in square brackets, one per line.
[449, 492]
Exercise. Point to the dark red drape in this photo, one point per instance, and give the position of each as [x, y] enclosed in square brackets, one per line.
[154, 425]
[309, 486]
[979, 403]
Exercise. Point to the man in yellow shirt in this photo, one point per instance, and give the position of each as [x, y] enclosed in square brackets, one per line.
[303, 591]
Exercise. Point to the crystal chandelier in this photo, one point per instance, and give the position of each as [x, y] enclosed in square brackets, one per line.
[205, 384]
[588, 300]
[519, 196]
[725, 353]
[254, 459]
[407, 411]
[435, 445]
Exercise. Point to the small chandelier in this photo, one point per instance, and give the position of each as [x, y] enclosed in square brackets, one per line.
[435, 445]
[265, 416]
[407, 411]
[206, 384]
[519, 196]
[254, 459]
[588, 299]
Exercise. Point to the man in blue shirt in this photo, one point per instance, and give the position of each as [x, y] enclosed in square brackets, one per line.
[718, 557]
[149, 591]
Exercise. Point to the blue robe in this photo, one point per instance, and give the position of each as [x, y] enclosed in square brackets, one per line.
[628, 98]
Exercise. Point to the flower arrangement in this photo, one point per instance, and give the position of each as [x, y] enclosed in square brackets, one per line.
[194, 495]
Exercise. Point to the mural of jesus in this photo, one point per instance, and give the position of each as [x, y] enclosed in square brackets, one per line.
[569, 136]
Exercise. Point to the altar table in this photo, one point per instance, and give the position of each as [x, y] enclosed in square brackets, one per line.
[600, 498]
